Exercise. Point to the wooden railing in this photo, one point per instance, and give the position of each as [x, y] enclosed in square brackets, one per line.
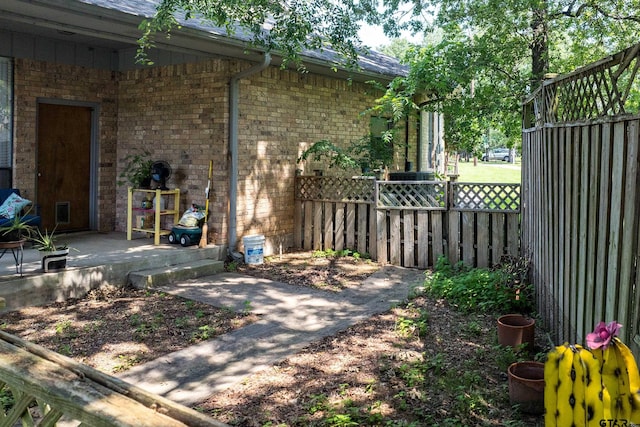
[49, 388]
[408, 223]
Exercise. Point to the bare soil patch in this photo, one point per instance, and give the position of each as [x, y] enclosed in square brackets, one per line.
[422, 363]
[113, 330]
[314, 270]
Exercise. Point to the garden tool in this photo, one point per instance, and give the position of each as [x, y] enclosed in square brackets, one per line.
[205, 227]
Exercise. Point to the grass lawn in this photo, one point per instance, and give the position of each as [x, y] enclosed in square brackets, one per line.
[492, 172]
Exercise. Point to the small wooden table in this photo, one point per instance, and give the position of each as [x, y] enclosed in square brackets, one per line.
[17, 249]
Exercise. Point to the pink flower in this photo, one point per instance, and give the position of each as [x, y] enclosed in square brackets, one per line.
[602, 335]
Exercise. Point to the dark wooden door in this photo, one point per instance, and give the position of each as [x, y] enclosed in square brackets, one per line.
[64, 166]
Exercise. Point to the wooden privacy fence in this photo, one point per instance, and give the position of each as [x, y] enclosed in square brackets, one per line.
[408, 223]
[581, 198]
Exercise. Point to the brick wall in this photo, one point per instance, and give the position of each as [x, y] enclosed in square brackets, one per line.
[35, 80]
[282, 113]
[180, 114]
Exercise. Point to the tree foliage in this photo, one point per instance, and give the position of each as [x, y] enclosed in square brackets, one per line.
[487, 56]
[287, 27]
[548, 35]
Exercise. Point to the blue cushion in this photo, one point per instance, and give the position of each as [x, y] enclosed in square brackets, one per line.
[31, 218]
[6, 192]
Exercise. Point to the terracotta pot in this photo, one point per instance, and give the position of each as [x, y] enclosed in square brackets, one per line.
[515, 330]
[526, 386]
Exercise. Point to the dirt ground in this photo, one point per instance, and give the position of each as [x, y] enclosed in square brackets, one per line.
[400, 368]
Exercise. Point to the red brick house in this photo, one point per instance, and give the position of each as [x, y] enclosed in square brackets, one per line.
[73, 105]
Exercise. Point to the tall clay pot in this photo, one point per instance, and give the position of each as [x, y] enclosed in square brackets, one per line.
[515, 330]
[526, 386]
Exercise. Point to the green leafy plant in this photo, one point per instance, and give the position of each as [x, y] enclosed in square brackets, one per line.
[503, 289]
[231, 266]
[331, 253]
[46, 242]
[375, 151]
[63, 327]
[65, 349]
[325, 149]
[204, 333]
[6, 399]
[368, 153]
[143, 330]
[247, 307]
[137, 170]
[126, 362]
[16, 229]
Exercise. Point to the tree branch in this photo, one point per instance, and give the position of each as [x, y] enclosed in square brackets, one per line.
[571, 13]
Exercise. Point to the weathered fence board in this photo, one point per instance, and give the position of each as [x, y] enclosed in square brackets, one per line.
[482, 237]
[468, 231]
[363, 221]
[308, 225]
[329, 232]
[339, 239]
[351, 225]
[479, 224]
[453, 233]
[381, 235]
[497, 238]
[408, 243]
[394, 237]
[317, 228]
[423, 239]
[581, 225]
[581, 206]
[629, 220]
[437, 242]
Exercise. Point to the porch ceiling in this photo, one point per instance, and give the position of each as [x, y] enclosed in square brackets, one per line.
[114, 24]
[78, 22]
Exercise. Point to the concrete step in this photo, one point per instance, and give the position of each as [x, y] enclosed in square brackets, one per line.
[159, 276]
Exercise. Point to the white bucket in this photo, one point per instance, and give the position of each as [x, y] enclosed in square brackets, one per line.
[253, 249]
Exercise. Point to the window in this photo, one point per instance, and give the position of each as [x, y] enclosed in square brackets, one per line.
[378, 147]
[6, 121]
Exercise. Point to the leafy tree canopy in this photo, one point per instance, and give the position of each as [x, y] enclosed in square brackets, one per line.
[482, 57]
[288, 26]
[486, 55]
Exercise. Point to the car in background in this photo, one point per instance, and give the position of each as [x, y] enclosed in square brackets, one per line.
[496, 154]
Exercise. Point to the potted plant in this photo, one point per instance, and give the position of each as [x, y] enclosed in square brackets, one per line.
[137, 171]
[15, 230]
[371, 154]
[54, 256]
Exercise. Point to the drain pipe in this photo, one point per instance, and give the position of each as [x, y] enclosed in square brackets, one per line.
[234, 95]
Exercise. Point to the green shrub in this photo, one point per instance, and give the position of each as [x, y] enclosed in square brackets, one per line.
[502, 289]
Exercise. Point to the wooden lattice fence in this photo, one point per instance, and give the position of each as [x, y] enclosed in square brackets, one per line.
[408, 223]
[581, 201]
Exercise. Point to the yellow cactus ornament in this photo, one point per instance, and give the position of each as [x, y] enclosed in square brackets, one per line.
[599, 386]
